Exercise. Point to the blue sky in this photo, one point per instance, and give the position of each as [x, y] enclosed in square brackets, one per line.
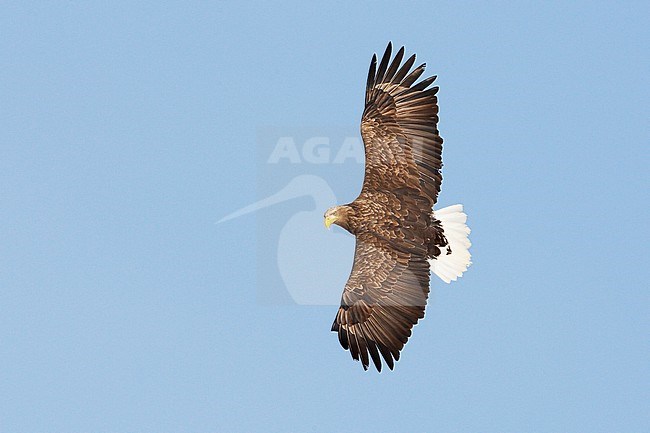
[127, 131]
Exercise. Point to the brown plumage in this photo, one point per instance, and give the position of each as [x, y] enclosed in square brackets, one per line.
[396, 232]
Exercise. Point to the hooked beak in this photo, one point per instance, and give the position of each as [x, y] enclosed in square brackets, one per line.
[329, 220]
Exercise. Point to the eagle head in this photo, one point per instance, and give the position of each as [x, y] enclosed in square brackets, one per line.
[338, 215]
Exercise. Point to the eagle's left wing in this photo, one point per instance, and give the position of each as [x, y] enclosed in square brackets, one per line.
[399, 129]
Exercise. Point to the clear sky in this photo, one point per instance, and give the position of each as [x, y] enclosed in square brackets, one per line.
[127, 131]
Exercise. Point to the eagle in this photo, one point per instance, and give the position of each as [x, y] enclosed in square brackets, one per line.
[400, 238]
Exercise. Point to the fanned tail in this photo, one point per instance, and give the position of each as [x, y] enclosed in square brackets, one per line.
[451, 266]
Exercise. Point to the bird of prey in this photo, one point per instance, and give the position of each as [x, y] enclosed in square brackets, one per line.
[400, 238]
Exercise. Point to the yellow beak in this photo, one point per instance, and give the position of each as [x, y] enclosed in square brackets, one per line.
[329, 220]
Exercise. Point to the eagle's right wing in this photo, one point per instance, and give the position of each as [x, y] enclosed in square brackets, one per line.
[384, 297]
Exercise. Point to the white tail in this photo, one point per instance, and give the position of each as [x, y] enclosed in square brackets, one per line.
[450, 267]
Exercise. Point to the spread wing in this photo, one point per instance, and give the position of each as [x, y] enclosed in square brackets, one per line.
[382, 300]
[399, 129]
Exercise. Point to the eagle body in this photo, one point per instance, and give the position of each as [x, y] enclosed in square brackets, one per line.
[387, 216]
[400, 239]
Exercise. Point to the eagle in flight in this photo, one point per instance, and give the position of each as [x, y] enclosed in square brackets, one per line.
[400, 238]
